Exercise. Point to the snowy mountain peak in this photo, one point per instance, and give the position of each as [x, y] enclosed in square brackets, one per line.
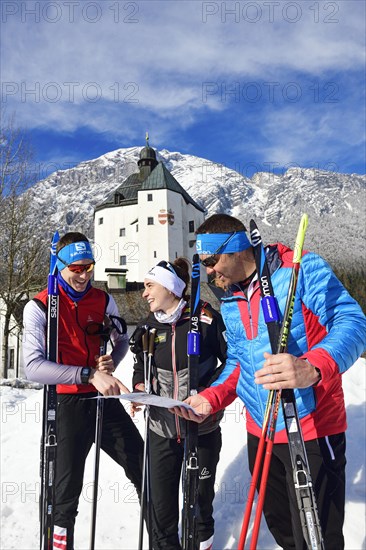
[334, 202]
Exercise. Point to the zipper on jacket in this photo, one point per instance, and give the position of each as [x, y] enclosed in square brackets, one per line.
[83, 330]
[175, 383]
[250, 292]
[247, 300]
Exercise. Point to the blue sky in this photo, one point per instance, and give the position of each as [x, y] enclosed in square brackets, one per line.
[254, 85]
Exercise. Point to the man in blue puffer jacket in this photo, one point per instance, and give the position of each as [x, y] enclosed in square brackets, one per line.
[328, 334]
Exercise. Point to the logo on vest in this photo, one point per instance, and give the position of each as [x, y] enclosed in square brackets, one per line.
[205, 473]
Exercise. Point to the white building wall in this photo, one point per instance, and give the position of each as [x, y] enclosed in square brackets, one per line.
[197, 217]
[14, 344]
[151, 243]
[176, 236]
[109, 246]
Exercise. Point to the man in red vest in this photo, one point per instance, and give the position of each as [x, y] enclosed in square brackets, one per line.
[79, 373]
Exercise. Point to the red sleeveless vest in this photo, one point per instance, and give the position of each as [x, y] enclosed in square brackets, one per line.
[75, 346]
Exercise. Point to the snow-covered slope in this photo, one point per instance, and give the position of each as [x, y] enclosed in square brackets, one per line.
[335, 202]
[118, 510]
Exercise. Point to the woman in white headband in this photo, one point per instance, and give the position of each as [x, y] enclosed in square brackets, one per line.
[164, 287]
[165, 292]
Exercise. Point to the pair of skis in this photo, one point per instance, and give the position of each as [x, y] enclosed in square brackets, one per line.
[49, 436]
[278, 334]
[191, 467]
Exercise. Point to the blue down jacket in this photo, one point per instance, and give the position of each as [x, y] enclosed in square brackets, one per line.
[328, 328]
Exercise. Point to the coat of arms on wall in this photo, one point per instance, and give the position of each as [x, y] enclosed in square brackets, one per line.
[166, 216]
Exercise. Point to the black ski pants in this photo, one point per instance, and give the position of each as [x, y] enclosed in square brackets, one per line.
[75, 436]
[327, 463]
[166, 458]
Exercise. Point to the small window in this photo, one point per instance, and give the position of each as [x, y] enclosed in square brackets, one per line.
[191, 226]
[191, 244]
[100, 221]
[155, 256]
[122, 232]
[11, 358]
[149, 197]
[122, 260]
[118, 198]
[137, 228]
[150, 221]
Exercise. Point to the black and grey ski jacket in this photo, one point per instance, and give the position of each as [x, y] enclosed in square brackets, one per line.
[170, 366]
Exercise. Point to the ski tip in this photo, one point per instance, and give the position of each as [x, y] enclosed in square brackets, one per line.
[53, 260]
[195, 258]
[252, 225]
[196, 267]
[299, 245]
[304, 221]
[255, 237]
[56, 237]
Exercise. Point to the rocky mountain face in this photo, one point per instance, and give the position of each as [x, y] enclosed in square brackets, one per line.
[334, 202]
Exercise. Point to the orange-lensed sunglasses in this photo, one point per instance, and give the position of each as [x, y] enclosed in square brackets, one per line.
[78, 268]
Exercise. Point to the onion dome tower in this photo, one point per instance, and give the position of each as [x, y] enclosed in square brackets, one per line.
[147, 161]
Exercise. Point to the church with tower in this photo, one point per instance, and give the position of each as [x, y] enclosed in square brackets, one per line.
[148, 218]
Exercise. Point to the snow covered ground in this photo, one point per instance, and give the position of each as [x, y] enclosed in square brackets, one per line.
[118, 510]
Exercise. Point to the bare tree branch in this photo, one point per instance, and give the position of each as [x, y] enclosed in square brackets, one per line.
[20, 251]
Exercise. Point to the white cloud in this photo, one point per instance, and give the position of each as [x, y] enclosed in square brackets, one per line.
[148, 62]
[304, 137]
[170, 44]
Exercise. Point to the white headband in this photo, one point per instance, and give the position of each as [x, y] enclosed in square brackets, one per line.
[167, 279]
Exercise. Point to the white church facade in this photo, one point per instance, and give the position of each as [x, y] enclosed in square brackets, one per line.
[150, 217]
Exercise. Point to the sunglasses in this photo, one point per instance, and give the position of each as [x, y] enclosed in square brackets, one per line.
[78, 268]
[212, 260]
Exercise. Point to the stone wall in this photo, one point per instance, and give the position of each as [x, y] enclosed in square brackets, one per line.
[132, 307]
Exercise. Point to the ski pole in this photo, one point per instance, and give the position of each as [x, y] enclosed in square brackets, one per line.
[148, 479]
[148, 341]
[145, 350]
[255, 477]
[104, 337]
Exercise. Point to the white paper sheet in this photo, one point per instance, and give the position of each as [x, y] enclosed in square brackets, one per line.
[150, 399]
